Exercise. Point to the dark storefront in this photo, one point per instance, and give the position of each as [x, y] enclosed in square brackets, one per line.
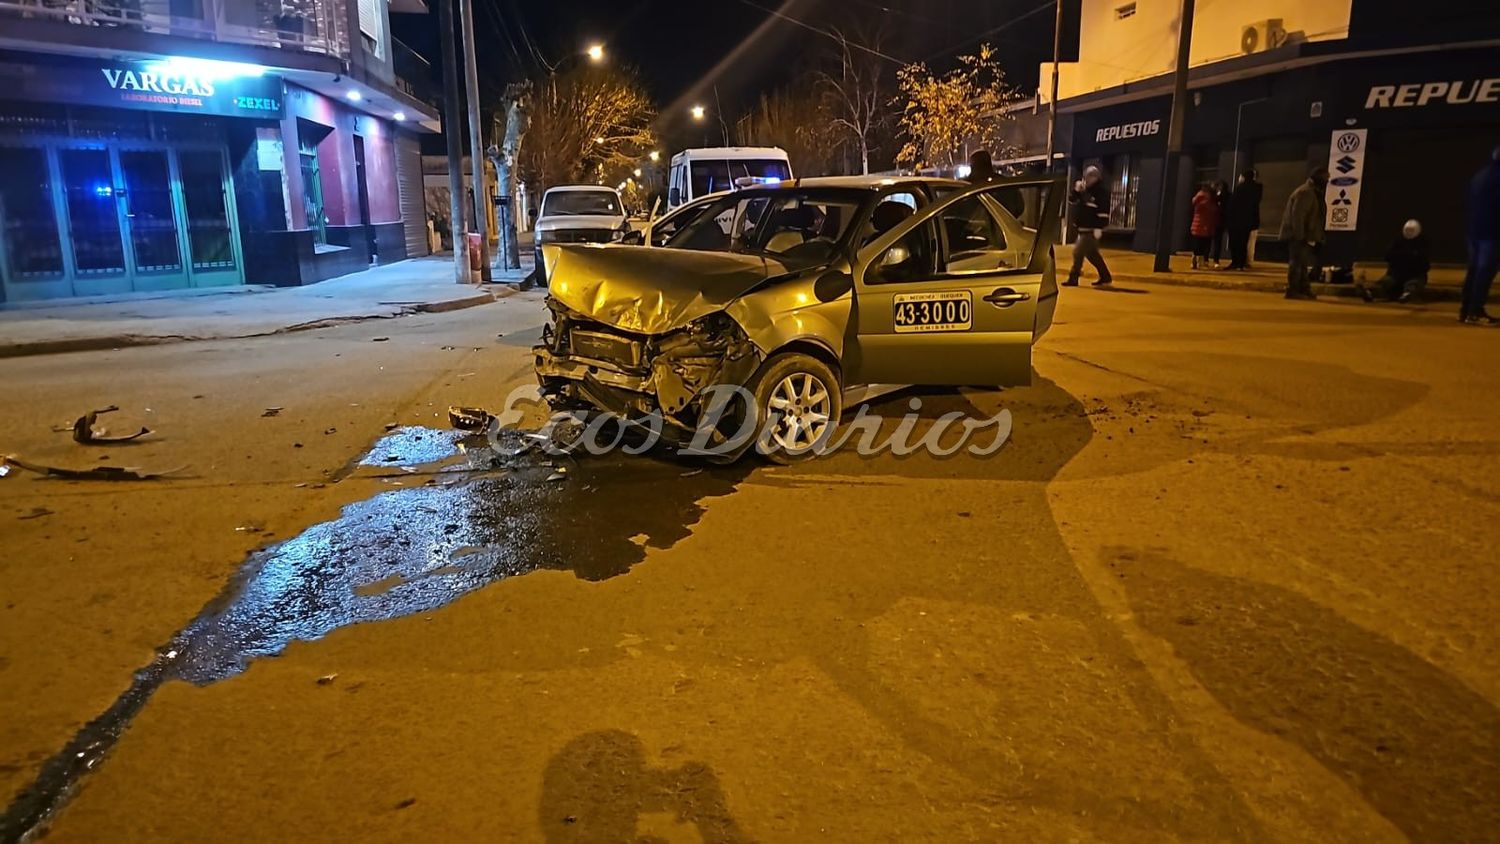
[1430, 120]
[121, 177]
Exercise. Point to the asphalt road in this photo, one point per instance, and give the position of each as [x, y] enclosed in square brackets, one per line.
[1233, 578]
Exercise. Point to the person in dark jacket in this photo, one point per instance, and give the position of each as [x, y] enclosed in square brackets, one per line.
[1406, 266]
[981, 167]
[1484, 243]
[1205, 226]
[1302, 229]
[1090, 199]
[1243, 219]
[1221, 200]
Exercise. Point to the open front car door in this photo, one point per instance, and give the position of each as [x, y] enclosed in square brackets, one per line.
[957, 293]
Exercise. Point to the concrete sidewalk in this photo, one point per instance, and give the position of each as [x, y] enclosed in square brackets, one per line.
[1444, 283]
[418, 285]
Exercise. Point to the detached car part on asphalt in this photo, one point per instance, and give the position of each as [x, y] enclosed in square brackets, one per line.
[799, 293]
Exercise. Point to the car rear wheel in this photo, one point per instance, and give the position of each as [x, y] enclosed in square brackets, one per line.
[798, 401]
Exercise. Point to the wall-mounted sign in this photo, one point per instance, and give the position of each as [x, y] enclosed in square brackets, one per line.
[1442, 92]
[1346, 172]
[182, 86]
[1122, 131]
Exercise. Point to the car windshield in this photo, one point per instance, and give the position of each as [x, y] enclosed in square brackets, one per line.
[797, 227]
[575, 203]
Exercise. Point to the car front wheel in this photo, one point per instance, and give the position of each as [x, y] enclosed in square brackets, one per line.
[798, 401]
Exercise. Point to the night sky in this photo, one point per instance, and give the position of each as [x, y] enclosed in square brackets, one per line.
[684, 48]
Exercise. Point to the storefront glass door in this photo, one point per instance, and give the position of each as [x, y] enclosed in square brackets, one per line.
[31, 253]
[85, 221]
[93, 217]
[151, 218]
[205, 198]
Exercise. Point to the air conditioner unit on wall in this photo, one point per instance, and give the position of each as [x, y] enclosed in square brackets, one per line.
[1262, 35]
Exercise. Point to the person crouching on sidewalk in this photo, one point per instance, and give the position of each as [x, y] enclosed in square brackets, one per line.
[1090, 198]
[1406, 266]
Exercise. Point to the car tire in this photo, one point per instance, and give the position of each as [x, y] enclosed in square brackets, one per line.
[796, 386]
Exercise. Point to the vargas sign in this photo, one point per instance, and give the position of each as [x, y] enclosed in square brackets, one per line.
[155, 86]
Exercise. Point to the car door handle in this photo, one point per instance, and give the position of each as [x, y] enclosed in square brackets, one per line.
[1005, 297]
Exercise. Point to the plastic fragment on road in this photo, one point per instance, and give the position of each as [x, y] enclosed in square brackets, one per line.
[85, 431]
[470, 418]
[96, 473]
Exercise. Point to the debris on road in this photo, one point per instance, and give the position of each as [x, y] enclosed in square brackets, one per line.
[97, 473]
[271, 411]
[470, 418]
[85, 432]
[379, 339]
[36, 513]
[327, 678]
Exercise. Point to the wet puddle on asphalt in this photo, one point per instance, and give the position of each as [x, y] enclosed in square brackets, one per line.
[458, 516]
[463, 517]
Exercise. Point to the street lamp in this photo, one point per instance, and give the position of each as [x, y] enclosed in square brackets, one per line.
[596, 53]
[655, 156]
[637, 172]
[698, 113]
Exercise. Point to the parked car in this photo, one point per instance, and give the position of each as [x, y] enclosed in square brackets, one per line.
[801, 292]
[579, 214]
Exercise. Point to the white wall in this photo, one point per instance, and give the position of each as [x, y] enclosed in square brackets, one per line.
[1114, 50]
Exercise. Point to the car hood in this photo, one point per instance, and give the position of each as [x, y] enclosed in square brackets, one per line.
[578, 221]
[651, 291]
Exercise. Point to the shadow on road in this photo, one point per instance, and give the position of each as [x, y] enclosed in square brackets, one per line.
[1422, 747]
[600, 787]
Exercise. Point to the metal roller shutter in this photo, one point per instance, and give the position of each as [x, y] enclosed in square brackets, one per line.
[409, 187]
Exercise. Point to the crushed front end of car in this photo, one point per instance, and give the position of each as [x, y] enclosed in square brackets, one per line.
[624, 339]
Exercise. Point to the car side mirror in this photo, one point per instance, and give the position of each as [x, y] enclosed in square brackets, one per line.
[897, 254]
[634, 237]
[674, 196]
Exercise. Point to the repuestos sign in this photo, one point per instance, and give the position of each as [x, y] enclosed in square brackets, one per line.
[1127, 130]
[1418, 94]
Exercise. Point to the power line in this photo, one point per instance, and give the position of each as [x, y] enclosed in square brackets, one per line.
[823, 32]
[948, 51]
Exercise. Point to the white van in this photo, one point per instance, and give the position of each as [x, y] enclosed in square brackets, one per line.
[699, 172]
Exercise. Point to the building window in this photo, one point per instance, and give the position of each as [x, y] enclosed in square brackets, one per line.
[1125, 11]
[309, 136]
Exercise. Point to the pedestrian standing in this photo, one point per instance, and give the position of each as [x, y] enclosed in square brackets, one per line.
[1484, 243]
[1221, 199]
[1243, 219]
[1302, 229]
[981, 167]
[1205, 225]
[1090, 198]
[1406, 267]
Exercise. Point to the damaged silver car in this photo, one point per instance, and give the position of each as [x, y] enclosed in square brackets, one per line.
[801, 293]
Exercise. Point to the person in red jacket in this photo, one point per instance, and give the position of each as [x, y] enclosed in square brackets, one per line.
[1205, 223]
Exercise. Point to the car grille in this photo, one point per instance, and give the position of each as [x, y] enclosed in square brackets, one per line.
[578, 236]
[607, 347]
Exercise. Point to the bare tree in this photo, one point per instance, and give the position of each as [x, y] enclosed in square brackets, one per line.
[797, 120]
[854, 91]
[517, 103]
[586, 122]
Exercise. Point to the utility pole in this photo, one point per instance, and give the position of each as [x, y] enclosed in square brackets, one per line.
[1167, 208]
[1052, 103]
[450, 134]
[476, 152]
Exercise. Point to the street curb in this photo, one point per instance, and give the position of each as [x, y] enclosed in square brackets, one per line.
[1350, 291]
[123, 341]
